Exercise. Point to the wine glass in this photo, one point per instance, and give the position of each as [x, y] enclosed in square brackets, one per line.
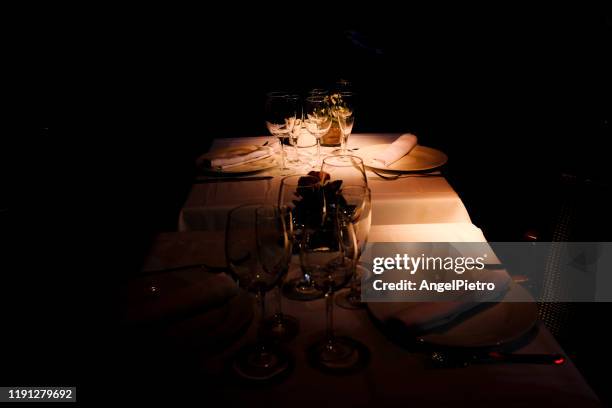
[302, 202]
[317, 119]
[258, 251]
[343, 110]
[280, 326]
[327, 253]
[355, 209]
[280, 113]
[296, 131]
[349, 169]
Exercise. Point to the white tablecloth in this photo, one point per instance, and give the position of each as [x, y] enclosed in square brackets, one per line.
[404, 210]
[411, 200]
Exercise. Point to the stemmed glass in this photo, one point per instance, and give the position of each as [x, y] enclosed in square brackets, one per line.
[353, 189]
[344, 111]
[349, 169]
[302, 202]
[327, 253]
[317, 119]
[356, 213]
[258, 251]
[294, 135]
[280, 114]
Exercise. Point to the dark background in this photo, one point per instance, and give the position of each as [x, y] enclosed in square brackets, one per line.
[516, 97]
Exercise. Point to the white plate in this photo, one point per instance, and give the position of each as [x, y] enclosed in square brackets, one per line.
[495, 324]
[258, 165]
[420, 158]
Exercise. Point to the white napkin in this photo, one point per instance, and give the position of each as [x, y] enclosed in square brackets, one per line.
[177, 293]
[398, 149]
[427, 315]
[237, 156]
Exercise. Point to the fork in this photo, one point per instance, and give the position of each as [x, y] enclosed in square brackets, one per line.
[400, 175]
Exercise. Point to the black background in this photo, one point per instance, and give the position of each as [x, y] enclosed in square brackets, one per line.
[516, 97]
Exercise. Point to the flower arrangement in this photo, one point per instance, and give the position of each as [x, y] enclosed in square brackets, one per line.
[308, 210]
[338, 107]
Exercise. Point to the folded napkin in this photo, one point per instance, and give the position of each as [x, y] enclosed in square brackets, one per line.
[398, 149]
[423, 316]
[236, 156]
[176, 294]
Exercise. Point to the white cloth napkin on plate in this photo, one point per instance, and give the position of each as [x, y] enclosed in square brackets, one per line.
[165, 295]
[424, 316]
[236, 157]
[398, 149]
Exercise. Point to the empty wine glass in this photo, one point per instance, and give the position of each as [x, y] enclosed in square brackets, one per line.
[327, 254]
[279, 326]
[343, 110]
[258, 251]
[296, 131]
[280, 113]
[349, 169]
[302, 202]
[355, 209]
[317, 119]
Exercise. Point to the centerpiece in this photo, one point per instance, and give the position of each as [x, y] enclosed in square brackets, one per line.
[333, 138]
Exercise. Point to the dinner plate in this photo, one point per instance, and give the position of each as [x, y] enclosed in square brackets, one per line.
[420, 158]
[250, 167]
[489, 325]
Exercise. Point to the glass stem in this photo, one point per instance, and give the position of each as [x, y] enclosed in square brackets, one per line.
[279, 314]
[283, 166]
[261, 297]
[353, 291]
[343, 143]
[318, 163]
[263, 357]
[329, 309]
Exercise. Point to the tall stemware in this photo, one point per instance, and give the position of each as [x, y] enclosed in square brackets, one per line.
[258, 251]
[355, 211]
[280, 116]
[343, 110]
[317, 119]
[328, 254]
[302, 202]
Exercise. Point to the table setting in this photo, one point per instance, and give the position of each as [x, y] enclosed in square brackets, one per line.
[260, 284]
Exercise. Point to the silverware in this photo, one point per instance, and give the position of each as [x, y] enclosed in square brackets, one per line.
[459, 359]
[404, 175]
[202, 180]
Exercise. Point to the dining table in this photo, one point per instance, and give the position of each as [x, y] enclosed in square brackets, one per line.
[410, 208]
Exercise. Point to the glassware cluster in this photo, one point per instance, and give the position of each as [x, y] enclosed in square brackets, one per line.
[322, 219]
[287, 115]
